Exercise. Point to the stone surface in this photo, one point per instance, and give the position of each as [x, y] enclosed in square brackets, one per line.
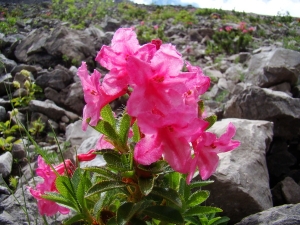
[271, 68]
[6, 161]
[236, 178]
[58, 79]
[264, 104]
[76, 135]
[281, 215]
[291, 191]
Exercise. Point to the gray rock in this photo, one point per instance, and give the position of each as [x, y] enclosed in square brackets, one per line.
[6, 161]
[76, 135]
[264, 104]
[57, 79]
[271, 68]
[3, 114]
[48, 48]
[47, 108]
[237, 189]
[291, 191]
[281, 215]
[283, 87]
[18, 151]
[6, 64]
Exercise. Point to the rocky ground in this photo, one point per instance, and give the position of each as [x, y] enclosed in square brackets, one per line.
[257, 89]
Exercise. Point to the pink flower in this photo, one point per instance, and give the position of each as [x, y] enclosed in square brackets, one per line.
[206, 150]
[94, 95]
[142, 23]
[158, 89]
[170, 142]
[221, 29]
[155, 27]
[228, 28]
[47, 207]
[114, 58]
[251, 29]
[242, 26]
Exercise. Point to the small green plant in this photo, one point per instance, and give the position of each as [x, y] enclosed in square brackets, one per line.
[185, 17]
[32, 91]
[37, 127]
[221, 96]
[230, 40]
[147, 33]
[13, 182]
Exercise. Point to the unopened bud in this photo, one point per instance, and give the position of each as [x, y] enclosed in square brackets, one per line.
[16, 84]
[27, 84]
[25, 73]
[14, 112]
[87, 157]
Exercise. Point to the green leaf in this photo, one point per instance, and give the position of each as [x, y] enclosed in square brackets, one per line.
[112, 221]
[124, 128]
[104, 186]
[108, 130]
[74, 219]
[164, 213]
[99, 205]
[155, 168]
[174, 180]
[193, 220]
[169, 194]
[197, 198]
[211, 120]
[108, 115]
[64, 187]
[129, 209]
[146, 185]
[198, 210]
[184, 189]
[114, 161]
[75, 179]
[103, 172]
[136, 132]
[57, 197]
[198, 184]
[219, 220]
[201, 108]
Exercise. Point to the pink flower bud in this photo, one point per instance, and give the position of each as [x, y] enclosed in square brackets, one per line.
[87, 157]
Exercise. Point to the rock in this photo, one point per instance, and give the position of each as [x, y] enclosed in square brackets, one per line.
[18, 151]
[76, 135]
[283, 87]
[13, 206]
[6, 64]
[49, 48]
[3, 114]
[6, 161]
[236, 177]
[74, 99]
[264, 104]
[291, 191]
[234, 73]
[281, 215]
[47, 108]
[57, 79]
[271, 68]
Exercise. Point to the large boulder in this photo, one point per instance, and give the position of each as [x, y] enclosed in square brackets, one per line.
[241, 185]
[49, 48]
[281, 215]
[271, 68]
[264, 104]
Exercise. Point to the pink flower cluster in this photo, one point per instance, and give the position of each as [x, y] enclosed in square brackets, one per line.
[46, 207]
[163, 100]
